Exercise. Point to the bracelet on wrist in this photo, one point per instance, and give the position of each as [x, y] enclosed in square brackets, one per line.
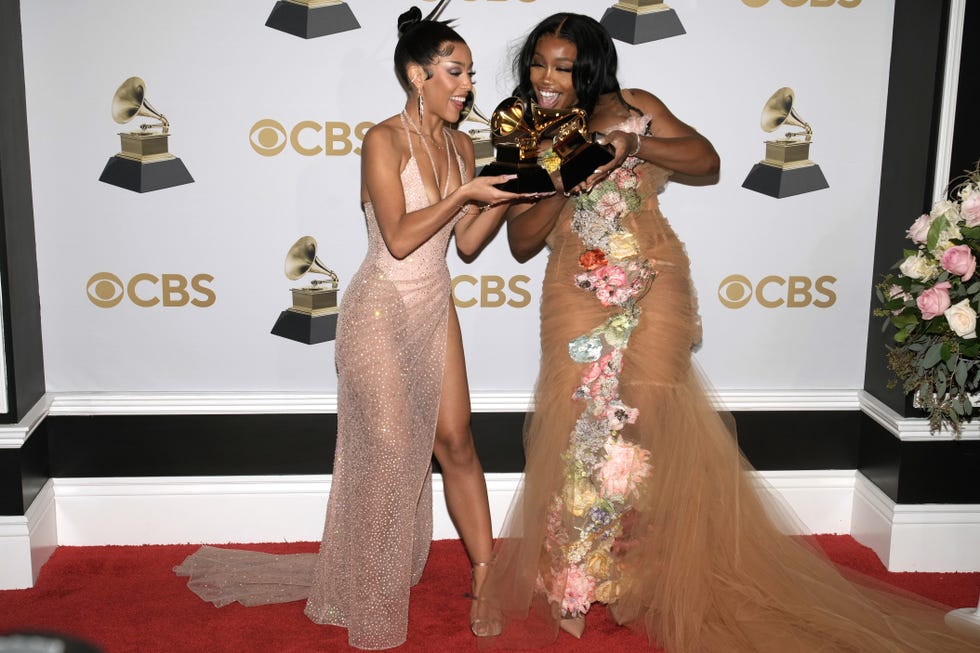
[636, 149]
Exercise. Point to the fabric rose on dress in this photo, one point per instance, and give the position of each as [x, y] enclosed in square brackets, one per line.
[622, 244]
[970, 210]
[919, 231]
[934, 301]
[960, 261]
[918, 267]
[579, 497]
[592, 259]
[610, 205]
[579, 592]
[625, 466]
[962, 319]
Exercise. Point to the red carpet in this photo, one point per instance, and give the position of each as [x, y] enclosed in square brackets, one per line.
[125, 598]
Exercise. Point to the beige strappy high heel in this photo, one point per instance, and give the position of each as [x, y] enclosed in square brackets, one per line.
[482, 626]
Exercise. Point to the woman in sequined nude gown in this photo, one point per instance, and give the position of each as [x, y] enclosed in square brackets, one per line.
[402, 381]
[402, 390]
[634, 492]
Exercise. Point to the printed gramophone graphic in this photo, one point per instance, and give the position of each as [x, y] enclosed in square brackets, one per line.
[787, 169]
[144, 162]
[311, 18]
[517, 136]
[313, 316]
[482, 146]
[640, 21]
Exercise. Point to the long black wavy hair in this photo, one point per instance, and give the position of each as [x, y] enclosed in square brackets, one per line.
[596, 61]
[422, 41]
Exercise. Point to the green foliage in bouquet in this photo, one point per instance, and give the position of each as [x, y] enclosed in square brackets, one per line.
[932, 303]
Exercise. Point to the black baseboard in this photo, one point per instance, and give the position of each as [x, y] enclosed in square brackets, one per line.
[277, 444]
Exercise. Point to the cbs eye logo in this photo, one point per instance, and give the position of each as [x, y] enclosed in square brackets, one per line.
[105, 290]
[270, 137]
[846, 4]
[736, 291]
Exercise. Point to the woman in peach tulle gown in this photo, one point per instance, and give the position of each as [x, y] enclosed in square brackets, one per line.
[635, 492]
[402, 390]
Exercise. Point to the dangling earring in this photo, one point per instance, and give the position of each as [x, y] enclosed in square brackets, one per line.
[421, 108]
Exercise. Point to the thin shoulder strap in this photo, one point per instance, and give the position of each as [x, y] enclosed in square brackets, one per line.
[408, 134]
[447, 135]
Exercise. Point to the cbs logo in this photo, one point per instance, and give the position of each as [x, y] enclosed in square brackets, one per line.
[846, 4]
[106, 290]
[490, 291]
[735, 291]
[269, 137]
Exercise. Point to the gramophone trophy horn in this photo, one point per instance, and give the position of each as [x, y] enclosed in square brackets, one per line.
[301, 259]
[144, 162]
[130, 101]
[787, 169]
[573, 148]
[313, 316]
[779, 111]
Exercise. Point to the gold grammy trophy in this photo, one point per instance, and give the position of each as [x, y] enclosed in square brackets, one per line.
[517, 137]
[787, 169]
[313, 316]
[144, 162]
[312, 18]
[641, 21]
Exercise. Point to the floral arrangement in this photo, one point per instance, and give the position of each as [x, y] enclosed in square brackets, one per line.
[932, 303]
[604, 470]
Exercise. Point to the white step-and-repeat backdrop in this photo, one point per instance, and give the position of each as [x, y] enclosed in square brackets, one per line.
[177, 289]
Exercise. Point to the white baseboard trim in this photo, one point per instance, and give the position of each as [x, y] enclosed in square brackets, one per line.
[133, 511]
[27, 542]
[920, 537]
[218, 403]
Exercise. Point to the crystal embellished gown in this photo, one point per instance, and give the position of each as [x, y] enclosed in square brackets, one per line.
[390, 356]
[635, 492]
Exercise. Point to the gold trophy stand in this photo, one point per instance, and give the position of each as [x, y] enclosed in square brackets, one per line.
[786, 171]
[309, 19]
[311, 319]
[144, 164]
[641, 21]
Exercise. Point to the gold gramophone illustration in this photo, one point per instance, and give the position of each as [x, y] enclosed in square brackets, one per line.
[640, 21]
[482, 146]
[309, 19]
[787, 169]
[144, 162]
[313, 316]
[517, 134]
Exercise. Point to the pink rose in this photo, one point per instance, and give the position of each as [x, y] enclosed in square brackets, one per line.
[624, 467]
[919, 231]
[959, 260]
[610, 205]
[934, 301]
[579, 591]
[970, 210]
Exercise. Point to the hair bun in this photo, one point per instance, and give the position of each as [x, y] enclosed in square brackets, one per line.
[408, 20]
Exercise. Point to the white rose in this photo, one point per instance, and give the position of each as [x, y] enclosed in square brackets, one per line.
[947, 208]
[962, 319]
[918, 267]
[919, 231]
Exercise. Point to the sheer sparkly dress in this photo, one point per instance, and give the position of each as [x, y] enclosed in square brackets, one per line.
[390, 356]
[635, 493]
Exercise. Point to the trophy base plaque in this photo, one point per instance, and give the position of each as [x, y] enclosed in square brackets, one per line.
[576, 169]
[784, 182]
[531, 178]
[311, 19]
[632, 26]
[142, 177]
[305, 328]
